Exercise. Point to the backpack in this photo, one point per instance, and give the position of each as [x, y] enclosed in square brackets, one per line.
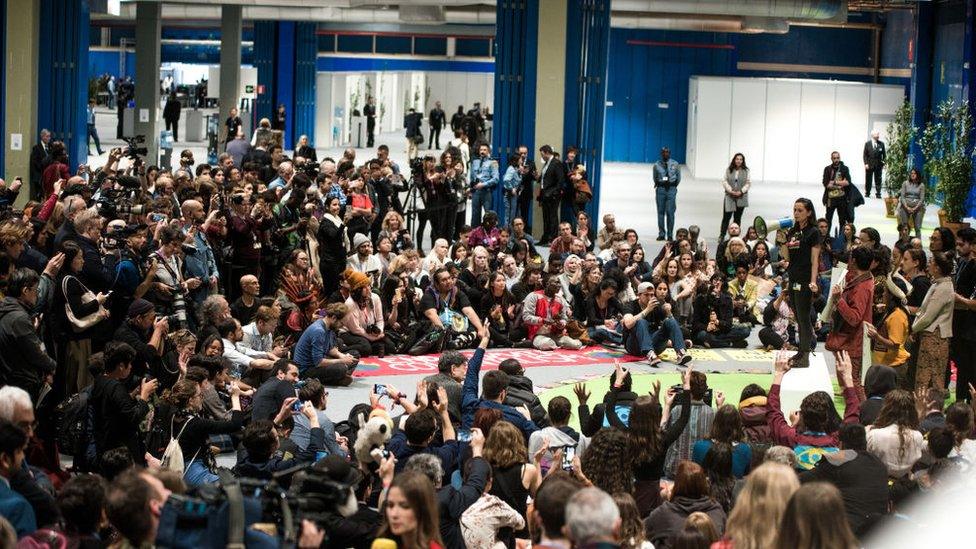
[75, 436]
[173, 455]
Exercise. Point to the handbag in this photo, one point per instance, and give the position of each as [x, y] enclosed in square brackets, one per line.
[81, 324]
[418, 139]
[432, 342]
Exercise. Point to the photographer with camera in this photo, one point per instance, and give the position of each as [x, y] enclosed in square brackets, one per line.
[146, 334]
[202, 264]
[117, 413]
[171, 285]
[88, 228]
[133, 278]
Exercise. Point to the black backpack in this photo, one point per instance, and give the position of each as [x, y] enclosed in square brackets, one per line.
[75, 436]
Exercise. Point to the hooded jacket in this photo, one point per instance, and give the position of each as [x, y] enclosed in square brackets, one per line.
[879, 381]
[753, 413]
[669, 518]
[520, 393]
[863, 483]
[22, 361]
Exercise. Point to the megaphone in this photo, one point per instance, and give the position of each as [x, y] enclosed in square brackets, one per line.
[763, 227]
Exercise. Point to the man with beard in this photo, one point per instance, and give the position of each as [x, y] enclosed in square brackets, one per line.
[836, 196]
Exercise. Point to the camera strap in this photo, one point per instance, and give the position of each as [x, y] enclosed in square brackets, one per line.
[235, 509]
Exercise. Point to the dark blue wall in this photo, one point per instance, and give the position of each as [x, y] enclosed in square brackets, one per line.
[947, 57]
[62, 75]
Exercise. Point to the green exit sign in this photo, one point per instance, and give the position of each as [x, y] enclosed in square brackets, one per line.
[249, 89]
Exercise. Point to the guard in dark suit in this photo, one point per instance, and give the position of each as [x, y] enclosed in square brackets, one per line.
[171, 114]
[836, 196]
[436, 121]
[369, 111]
[39, 160]
[412, 122]
[874, 158]
[553, 178]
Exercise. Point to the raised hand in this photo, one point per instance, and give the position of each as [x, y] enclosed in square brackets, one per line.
[582, 395]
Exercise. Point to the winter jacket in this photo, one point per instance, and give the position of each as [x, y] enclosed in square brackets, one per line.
[854, 306]
[753, 412]
[22, 361]
[470, 402]
[862, 481]
[669, 518]
[520, 393]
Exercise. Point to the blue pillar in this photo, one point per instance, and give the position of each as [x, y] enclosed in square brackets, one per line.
[587, 51]
[516, 55]
[969, 94]
[920, 89]
[62, 74]
[285, 53]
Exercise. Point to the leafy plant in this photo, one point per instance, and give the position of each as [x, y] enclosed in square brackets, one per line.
[900, 135]
[944, 143]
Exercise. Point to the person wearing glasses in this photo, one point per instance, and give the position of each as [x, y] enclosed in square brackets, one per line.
[24, 363]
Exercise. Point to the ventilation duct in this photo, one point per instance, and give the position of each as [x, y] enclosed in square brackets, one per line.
[704, 23]
[794, 9]
[426, 15]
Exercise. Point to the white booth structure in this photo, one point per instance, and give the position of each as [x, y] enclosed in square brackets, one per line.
[786, 128]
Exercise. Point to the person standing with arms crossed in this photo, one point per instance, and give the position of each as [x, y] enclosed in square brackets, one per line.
[667, 176]
[803, 242]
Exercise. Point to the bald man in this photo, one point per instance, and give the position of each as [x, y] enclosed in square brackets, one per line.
[244, 307]
[874, 159]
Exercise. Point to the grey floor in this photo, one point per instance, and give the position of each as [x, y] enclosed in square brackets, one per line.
[627, 192]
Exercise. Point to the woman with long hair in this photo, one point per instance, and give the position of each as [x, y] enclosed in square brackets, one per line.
[726, 429]
[760, 264]
[690, 494]
[812, 520]
[717, 464]
[803, 245]
[914, 265]
[499, 306]
[959, 422]
[911, 201]
[736, 185]
[394, 228]
[180, 346]
[681, 289]
[631, 531]
[184, 422]
[889, 338]
[299, 291]
[513, 477]
[608, 461]
[410, 516]
[735, 251]
[760, 504]
[933, 325]
[643, 268]
[333, 246]
[584, 230]
[943, 240]
[894, 438]
[305, 150]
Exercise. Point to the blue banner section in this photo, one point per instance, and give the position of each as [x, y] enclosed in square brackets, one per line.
[285, 76]
[306, 54]
[62, 74]
[358, 64]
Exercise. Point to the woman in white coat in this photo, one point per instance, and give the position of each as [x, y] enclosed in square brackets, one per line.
[736, 184]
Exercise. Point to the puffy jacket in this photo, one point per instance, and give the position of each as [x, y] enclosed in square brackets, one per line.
[22, 361]
[520, 393]
[670, 517]
[753, 413]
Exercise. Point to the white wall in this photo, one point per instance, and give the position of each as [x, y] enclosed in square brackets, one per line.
[786, 128]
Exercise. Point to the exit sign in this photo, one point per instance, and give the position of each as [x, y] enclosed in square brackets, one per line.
[249, 89]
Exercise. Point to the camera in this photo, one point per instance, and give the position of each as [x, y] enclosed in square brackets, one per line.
[707, 398]
[373, 329]
[121, 199]
[132, 149]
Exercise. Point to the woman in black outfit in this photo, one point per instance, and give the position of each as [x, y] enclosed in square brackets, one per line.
[333, 246]
[803, 242]
[185, 401]
[650, 443]
[278, 122]
[499, 305]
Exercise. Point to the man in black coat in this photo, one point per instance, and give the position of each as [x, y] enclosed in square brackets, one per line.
[171, 114]
[369, 111]
[520, 393]
[436, 121]
[874, 159]
[836, 195]
[412, 122]
[553, 178]
[39, 159]
[24, 363]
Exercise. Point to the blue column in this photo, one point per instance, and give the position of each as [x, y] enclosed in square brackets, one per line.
[285, 77]
[285, 53]
[265, 45]
[62, 74]
[306, 54]
[969, 93]
[920, 89]
[587, 50]
[516, 55]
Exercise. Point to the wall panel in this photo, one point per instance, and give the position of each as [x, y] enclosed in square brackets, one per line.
[712, 147]
[816, 129]
[851, 122]
[782, 139]
[749, 125]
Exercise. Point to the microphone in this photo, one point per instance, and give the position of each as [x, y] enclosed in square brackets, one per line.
[383, 543]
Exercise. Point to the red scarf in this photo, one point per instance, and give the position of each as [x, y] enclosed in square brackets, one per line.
[543, 308]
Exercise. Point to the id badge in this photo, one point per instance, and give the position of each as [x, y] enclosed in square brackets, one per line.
[797, 286]
[664, 179]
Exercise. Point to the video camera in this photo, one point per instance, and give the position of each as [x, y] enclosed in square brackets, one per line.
[132, 149]
[121, 199]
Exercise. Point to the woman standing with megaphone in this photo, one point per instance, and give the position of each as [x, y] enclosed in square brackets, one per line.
[803, 249]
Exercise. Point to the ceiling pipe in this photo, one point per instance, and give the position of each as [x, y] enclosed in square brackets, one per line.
[796, 9]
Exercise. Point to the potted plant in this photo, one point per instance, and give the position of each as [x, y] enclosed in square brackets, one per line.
[900, 135]
[944, 143]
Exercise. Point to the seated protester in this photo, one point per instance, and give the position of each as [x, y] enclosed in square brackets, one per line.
[13, 506]
[878, 382]
[498, 305]
[146, 335]
[419, 432]
[753, 409]
[180, 347]
[116, 414]
[258, 339]
[545, 315]
[894, 438]
[735, 252]
[260, 457]
[82, 503]
[560, 244]
[245, 306]
[486, 235]
[23, 358]
[213, 310]
[272, 393]
[364, 324]
[726, 429]
[444, 305]
[815, 434]
[313, 391]
[620, 395]
[520, 391]
[493, 392]
[861, 478]
[317, 355]
[778, 323]
[712, 324]
[185, 401]
[690, 494]
[399, 299]
[363, 260]
[933, 415]
[744, 293]
[603, 311]
[530, 281]
[472, 276]
[452, 367]
[959, 422]
[888, 339]
[29, 481]
[648, 324]
[699, 423]
[252, 370]
[558, 433]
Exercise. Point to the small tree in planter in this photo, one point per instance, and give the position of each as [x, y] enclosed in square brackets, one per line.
[945, 142]
[900, 135]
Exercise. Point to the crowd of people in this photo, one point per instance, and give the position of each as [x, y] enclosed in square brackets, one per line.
[153, 319]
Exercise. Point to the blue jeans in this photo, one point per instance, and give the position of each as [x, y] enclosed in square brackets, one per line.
[480, 199]
[197, 474]
[665, 210]
[511, 208]
[602, 334]
[719, 341]
[642, 340]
